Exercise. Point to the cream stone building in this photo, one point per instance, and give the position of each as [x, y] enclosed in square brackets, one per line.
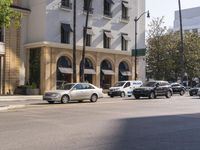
[40, 51]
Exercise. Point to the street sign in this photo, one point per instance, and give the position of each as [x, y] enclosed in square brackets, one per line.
[140, 52]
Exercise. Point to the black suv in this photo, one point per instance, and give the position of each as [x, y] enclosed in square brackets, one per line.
[193, 91]
[153, 89]
[178, 88]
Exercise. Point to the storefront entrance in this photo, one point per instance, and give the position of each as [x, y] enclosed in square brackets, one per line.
[89, 71]
[106, 74]
[124, 72]
[64, 71]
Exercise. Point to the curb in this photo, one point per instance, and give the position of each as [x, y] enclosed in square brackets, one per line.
[10, 107]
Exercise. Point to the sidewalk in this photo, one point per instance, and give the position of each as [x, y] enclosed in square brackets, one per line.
[8, 102]
[19, 98]
[17, 101]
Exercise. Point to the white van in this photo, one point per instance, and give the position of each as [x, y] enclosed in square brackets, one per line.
[123, 88]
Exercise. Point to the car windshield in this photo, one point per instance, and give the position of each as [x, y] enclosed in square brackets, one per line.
[67, 86]
[149, 84]
[175, 85]
[198, 85]
[118, 84]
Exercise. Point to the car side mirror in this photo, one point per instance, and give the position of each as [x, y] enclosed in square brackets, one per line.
[157, 85]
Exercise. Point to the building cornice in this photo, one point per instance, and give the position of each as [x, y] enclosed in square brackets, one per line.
[70, 46]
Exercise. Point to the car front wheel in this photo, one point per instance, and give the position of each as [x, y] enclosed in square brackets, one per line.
[182, 92]
[137, 97]
[152, 95]
[93, 98]
[169, 94]
[65, 99]
[122, 94]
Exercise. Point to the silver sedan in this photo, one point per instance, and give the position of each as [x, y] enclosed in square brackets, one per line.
[74, 91]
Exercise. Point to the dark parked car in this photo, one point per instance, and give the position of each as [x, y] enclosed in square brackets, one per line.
[178, 88]
[153, 89]
[193, 91]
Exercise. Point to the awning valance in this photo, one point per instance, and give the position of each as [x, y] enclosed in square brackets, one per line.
[65, 70]
[89, 71]
[110, 1]
[109, 35]
[66, 27]
[90, 31]
[126, 73]
[107, 72]
[125, 4]
[125, 36]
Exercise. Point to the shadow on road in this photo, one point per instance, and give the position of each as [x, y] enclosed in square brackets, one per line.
[180, 132]
[144, 98]
[58, 103]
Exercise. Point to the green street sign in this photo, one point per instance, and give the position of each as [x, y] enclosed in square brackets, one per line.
[140, 52]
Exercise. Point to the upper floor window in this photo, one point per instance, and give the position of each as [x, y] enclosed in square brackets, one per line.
[107, 39]
[1, 35]
[65, 33]
[66, 4]
[125, 10]
[124, 41]
[107, 8]
[89, 34]
[88, 4]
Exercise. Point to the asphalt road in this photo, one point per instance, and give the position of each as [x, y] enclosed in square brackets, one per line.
[109, 124]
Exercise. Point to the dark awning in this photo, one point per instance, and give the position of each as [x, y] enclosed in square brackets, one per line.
[65, 70]
[126, 73]
[125, 36]
[110, 1]
[108, 72]
[20, 8]
[125, 4]
[109, 35]
[89, 71]
[90, 32]
[66, 27]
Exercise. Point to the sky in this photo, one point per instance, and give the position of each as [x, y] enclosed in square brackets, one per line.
[166, 8]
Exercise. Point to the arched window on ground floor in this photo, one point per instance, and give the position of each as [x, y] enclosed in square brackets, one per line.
[106, 74]
[124, 71]
[64, 71]
[89, 71]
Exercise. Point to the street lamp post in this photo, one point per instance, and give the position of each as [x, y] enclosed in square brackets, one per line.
[136, 20]
[74, 42]
[181, 45]
[82, 76]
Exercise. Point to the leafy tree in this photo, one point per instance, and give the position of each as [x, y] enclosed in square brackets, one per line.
[163, 55]
[7, 14]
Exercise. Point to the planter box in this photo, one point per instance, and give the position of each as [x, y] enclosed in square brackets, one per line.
[23, 90]
[32, 91]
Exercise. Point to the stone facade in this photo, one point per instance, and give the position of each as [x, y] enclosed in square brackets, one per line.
[51, 55]
[40, 30]
[12, 59]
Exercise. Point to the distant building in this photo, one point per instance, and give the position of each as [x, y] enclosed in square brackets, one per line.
[190, 20]
[42, 47]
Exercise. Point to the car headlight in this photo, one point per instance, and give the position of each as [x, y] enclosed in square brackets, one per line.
[54, 94]
[116, 89]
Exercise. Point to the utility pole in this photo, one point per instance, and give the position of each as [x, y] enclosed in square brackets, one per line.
[74, 43]
[136, 52]
[181, 44]
[135, 47]
[84, 41]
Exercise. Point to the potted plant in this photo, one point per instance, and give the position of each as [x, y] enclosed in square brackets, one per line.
[28, 89]
[32, 89]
